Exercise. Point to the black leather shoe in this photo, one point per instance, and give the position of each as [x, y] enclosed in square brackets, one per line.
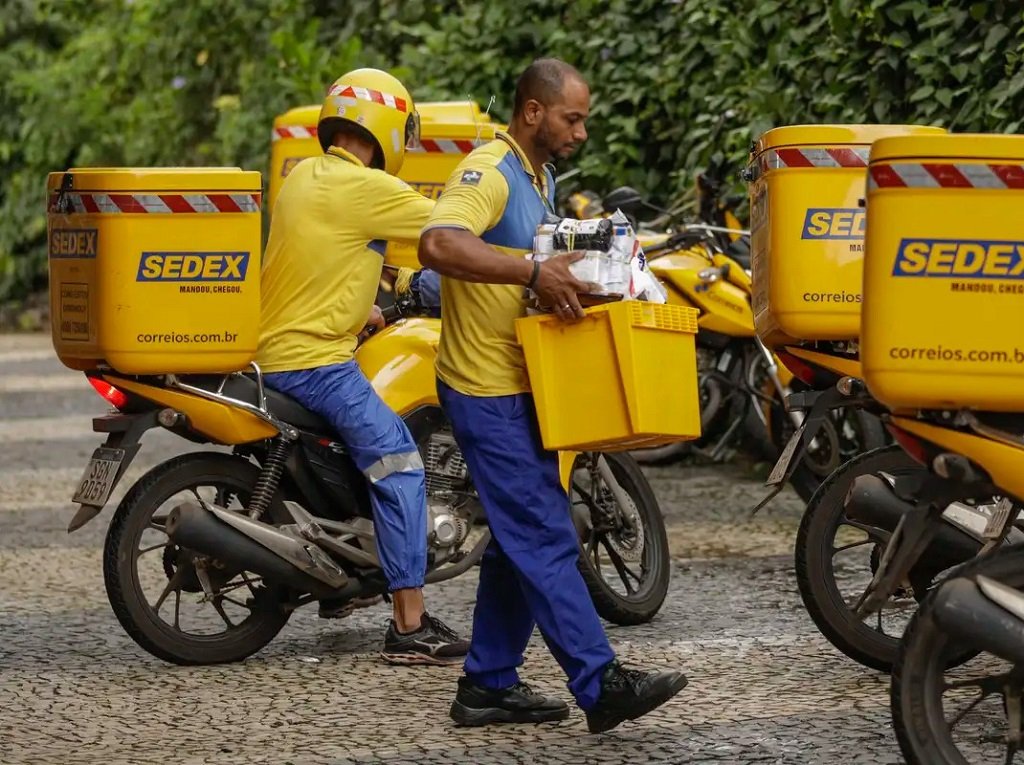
[476, 705]
[627, 694]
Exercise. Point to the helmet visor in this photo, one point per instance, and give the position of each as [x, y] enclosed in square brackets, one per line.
[412, 131]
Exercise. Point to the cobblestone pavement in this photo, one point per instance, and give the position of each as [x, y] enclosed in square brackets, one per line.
[764, 686]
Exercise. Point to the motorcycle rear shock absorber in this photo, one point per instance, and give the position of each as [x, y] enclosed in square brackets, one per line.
[270, 477]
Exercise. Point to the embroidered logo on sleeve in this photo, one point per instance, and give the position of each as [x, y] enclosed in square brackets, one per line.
[471, 177]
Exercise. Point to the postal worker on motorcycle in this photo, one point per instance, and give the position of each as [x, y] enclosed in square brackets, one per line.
[477, 236]
[322, 266]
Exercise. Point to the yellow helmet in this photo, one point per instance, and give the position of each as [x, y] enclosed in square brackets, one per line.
[379, 104]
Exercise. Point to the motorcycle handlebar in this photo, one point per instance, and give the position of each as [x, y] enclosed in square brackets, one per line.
[690, 234]
[391, 313]
[715, 229]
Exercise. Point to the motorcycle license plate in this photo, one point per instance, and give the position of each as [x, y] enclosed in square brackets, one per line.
[99, 477]
[778, 473]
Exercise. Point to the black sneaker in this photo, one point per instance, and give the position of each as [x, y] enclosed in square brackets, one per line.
[433, 643]
[476, 705]
[627, 694]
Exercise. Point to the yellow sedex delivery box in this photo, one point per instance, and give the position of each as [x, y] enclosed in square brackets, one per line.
[807, 229]
[154, 270]
[944, 273]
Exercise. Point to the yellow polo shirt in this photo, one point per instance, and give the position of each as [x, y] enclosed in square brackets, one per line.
[332, 220]
[494, 194]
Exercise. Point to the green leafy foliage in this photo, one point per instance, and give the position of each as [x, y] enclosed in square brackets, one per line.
[157, 82]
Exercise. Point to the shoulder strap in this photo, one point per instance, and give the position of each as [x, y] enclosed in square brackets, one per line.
[549, 172]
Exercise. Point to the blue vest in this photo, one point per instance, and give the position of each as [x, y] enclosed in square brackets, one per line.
[524, 210]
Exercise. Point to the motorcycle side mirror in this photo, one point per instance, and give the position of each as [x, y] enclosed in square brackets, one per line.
[624, 198]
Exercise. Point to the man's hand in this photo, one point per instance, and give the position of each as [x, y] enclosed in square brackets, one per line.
[557, 287]
[374, 323]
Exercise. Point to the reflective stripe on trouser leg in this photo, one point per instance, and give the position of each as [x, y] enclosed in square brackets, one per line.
[389, 464]
[528, 512]
[382, 448]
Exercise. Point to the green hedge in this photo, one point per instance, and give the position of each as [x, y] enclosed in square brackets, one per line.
[151, 82]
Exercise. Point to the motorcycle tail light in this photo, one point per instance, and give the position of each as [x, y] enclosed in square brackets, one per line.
[109, 393]
[800, 369]
[922, 451]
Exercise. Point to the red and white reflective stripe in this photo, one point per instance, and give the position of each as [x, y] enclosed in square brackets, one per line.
[950, 175]
[836, 156]
[444, 146]
[293, 131]
[365, 94]
[158, 203]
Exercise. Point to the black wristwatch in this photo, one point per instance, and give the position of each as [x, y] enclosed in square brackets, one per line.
[536, 273]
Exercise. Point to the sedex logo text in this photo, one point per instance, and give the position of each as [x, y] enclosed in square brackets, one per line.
[834, 223]
[192, 267]
[960, 259]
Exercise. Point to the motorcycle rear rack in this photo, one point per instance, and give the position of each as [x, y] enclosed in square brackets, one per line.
[260, 410]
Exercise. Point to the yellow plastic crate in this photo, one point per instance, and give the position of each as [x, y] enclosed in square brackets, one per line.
[944, 273]
[154, 270]
[624, 377]
[807, 229]
[449, 131]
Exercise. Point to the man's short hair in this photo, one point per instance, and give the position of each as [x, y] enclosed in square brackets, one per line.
[543, 81]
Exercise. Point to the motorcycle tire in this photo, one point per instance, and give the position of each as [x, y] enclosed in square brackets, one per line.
[641, 606]
[814, 561]
[121, 577]
[915, 692]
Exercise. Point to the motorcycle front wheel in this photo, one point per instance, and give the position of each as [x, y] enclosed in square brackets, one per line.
[946, 716]
[624, 555]
[154, 586]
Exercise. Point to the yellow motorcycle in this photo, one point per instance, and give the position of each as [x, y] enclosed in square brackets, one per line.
[978, 608]
[941, 351]
[210, 552]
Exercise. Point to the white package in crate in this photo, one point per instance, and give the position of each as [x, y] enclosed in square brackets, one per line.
[613, 260]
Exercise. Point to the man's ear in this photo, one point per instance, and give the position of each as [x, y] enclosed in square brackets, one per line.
[533, 112]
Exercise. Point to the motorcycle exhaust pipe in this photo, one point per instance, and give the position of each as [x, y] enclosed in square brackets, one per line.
[872, 501]
[208, 531]
[967, 611]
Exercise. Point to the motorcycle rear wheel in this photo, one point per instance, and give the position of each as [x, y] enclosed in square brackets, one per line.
[814, 556]
[630, 585]
[918, 685]
[233, 478]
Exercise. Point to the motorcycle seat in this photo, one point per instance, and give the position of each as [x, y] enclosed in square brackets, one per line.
[740, 252]
[244, 388]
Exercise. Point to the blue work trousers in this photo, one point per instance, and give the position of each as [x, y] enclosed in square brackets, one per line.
[529, 574]
[383, 449]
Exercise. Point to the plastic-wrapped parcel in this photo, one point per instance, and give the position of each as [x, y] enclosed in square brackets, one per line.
[613, 259]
